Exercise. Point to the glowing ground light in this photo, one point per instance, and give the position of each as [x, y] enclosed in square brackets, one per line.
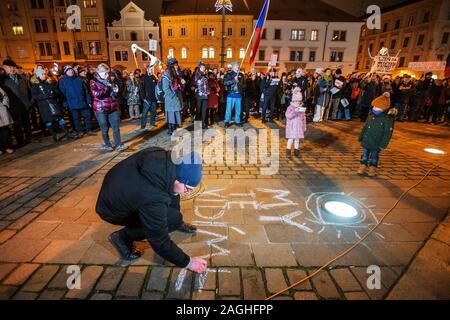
[435, 151]
[341, 209]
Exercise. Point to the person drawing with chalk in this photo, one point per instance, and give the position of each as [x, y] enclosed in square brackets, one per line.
[142, 193]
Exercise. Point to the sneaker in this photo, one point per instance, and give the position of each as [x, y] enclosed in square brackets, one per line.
[372, 172]
[108, 148]
[121, 148]
[9, 150]
[187, 228]
[362, 169]
[297, 153]
[124, 250]
[151, 127]
[288, 153]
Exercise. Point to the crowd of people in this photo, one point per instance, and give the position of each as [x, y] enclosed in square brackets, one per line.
[87, 97]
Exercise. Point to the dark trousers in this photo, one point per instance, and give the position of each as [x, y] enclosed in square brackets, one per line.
[370, 156]
[211, 116]
[109, 120]
[21, 127]
[364, 112]
[5, 138]
[76, 115]
[435, 111]
[149, 107]
[269, 102]
[134, 230]
[203, 109]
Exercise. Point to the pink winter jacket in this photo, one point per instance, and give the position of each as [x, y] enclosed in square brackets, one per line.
[104, 101]
[295, 123]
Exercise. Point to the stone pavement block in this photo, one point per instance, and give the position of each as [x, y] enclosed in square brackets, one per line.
[132, 282]
[40, 278]
[427, 276]
[89, 216]
[69, 231]
[305, 295]
[253, 284]
[200, 283]
[69, 201]
[52, 295]
[442, 233]
[5, 235]
[345, 280]
[419, 231]
[100, 252]
[43, 206]
[6, 292]
[395, 253]
[25, 296]
[88, 277]
[240, 254]
[296, 275]
[158, 278]
[180, 284]
[21, 250]
[280, 254]
[23, 221]
[204, 295]
[21, 274]
[62, 214]
[101, 296]
[362, 276]
[325, 286]
[253, 234]
[275, 279]
[18, 213]
[110, 279]
[152, 296]
[229, 282]
[6, 268]
[37, 230]
[64, 251]
[356, 296]
[60, 280]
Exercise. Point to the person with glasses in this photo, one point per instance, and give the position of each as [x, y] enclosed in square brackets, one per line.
[142, 193]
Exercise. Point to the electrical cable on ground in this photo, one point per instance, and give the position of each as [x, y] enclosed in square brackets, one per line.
[358, 242]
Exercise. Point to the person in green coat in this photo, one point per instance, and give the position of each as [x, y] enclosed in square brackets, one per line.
[376, 134]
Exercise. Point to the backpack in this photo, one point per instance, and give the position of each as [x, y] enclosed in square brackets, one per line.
[159, 92]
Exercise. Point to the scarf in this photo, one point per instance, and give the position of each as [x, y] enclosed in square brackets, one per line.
[327, 77]
[377, 113]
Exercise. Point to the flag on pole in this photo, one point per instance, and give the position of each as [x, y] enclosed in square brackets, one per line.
[259, 30]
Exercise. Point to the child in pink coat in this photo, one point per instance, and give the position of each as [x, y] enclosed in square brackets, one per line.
[295, 123]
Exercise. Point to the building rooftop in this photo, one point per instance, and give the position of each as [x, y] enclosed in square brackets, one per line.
[293, 10]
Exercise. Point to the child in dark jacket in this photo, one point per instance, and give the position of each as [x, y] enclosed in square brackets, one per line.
[376, 134]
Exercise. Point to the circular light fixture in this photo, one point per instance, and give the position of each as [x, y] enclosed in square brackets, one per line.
[340, 209]
[433, 150]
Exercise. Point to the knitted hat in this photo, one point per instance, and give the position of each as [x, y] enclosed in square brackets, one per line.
[67, 68]
[382, 102]
[9, 63]
[338, 71]
[201, 64]
[172, 61]
[189, 171]
[297, 96]
[39, 71]
[102, 67]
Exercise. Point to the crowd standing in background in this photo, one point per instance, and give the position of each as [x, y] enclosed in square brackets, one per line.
[64, 104]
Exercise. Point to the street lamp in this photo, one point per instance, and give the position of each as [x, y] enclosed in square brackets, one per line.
[223, 5]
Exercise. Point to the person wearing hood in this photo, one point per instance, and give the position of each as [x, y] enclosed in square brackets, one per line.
[376, 134]
[45, 93]
[106, 108]
[76, 99]
[142, 193]
[233, 82]
[324, 85]
[172, 85]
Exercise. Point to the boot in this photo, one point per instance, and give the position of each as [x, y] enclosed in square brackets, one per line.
[66, 133]
[53, 133]
[362, 169]
[372, 172]
[297, 153]
[288, 153]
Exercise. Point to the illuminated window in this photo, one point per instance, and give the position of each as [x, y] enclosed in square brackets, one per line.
[170, 53]
[229, 53]
[241, 53]
[183, 53]
[211, 53]
[62, 25]
[91, 24]
[339, 35]
[204, 53]
[17, 29]
[90, 3]
[314, 35]
[337, 56]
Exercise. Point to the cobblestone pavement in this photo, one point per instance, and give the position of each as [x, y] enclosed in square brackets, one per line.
[259, 233]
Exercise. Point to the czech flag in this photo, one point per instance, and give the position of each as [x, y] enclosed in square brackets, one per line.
[259, 30]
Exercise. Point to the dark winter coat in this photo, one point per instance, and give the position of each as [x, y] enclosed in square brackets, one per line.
[75, 93]
[19, 95]
[142, 184]
[104, 97]
[377, 131]
[405, 92]
[368, 95]
[148, 86]
[232, 86]
[201, 83]
[269, 86]
[301, 82]
[45, 93]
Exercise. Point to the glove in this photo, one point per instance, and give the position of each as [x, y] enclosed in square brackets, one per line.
[197, 265]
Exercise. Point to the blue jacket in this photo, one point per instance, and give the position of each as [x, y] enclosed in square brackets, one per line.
[75, 94]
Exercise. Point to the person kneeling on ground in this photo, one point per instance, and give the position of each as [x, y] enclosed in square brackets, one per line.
[142, 193]
[376, 134]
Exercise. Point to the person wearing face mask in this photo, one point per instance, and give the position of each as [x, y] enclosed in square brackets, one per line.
[142, 193]
[106, 108]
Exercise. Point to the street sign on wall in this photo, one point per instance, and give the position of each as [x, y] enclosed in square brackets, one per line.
[153, 45]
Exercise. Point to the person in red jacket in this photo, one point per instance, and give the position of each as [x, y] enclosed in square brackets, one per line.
[213, 98]
[106, 108]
